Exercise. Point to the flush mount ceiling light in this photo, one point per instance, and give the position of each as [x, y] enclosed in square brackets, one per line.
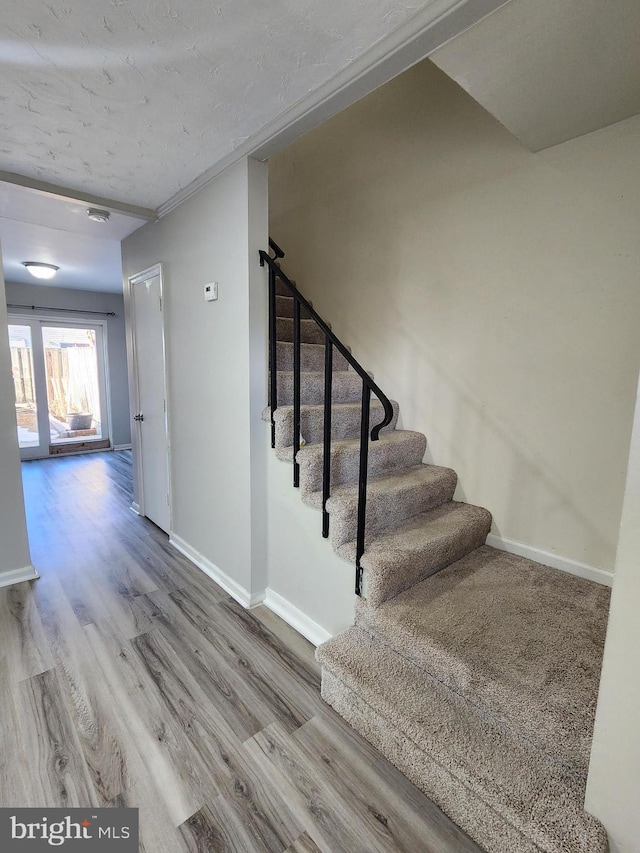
[96, 215]
[40, 270]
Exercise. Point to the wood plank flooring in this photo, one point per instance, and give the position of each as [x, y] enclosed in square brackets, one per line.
[128, 678]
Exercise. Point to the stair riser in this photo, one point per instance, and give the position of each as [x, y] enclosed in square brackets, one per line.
[344, 423]
[311, 358]
[282, 289]
[346, 387]
[493, 825]
[386, 511]
[558, 720]
[453, 797]
[310, 332]
[440, 552]
[345, 462]
[284, 307]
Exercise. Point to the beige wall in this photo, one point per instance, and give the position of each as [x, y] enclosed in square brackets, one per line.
[493, 292]
[14, 548]
[613, 790]
[216, 364]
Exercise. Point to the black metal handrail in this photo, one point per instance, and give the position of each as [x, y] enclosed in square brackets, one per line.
[277, 251]
[368, 386]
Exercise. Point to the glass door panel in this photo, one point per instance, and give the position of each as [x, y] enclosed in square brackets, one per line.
[60, 383]
[72, 369]
[24, 384]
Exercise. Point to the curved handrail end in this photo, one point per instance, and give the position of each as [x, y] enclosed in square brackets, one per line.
[277, 251]
[388, 417]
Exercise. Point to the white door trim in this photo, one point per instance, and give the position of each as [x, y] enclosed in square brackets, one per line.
[136, 442]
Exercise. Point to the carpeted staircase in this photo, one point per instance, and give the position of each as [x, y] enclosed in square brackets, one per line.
[474, 671]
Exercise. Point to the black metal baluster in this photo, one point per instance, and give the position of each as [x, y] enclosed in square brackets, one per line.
[362, 487]
[326, 459]
[296, 390]
[273, 350]
[368, 386]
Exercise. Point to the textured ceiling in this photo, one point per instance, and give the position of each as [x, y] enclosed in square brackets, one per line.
[125, 103]
[133, 99]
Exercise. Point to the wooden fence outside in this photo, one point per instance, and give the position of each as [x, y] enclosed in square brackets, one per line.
[72, 382]
[22, 370]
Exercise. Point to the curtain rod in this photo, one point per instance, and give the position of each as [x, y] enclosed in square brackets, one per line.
[70, 310]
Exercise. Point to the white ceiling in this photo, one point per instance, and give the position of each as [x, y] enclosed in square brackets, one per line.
[551, 70]
[131, 101]
[136, 102]
[36, 226]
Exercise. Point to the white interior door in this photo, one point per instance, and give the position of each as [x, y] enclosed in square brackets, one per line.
[150, 416]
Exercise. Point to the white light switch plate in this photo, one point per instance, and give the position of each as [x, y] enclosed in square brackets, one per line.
[211, 291]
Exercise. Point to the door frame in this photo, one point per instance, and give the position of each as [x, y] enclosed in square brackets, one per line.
[60, 321]
[134, 388]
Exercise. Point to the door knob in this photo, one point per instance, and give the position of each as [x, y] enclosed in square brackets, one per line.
[138, 417]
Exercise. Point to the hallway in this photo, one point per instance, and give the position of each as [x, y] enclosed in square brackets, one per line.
[130, 679]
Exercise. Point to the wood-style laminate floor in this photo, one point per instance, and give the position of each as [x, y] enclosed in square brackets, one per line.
[129, 678]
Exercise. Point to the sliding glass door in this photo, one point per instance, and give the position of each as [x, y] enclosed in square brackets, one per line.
[73, 383]
[60, 386]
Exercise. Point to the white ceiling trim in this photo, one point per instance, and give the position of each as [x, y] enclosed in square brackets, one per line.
[431, 28]
[67, 194]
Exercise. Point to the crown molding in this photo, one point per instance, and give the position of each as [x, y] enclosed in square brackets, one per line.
[434, 25]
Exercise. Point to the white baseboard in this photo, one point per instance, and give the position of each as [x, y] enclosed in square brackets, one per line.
[564, 564]
[135, 507]
[309, 629]
[228, 584]
[122, 446]
[28, 573]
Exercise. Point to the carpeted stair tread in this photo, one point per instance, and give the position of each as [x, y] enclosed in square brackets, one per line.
[508, 796]
[346, 387]
[310, 332]
[395, 449]
[311, 357]
[519, 639]
[345, 421]
[391, 500]
[420, 547]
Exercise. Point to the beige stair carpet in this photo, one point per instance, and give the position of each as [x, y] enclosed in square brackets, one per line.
[519, 640]
[474, 671]
[507, 795]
